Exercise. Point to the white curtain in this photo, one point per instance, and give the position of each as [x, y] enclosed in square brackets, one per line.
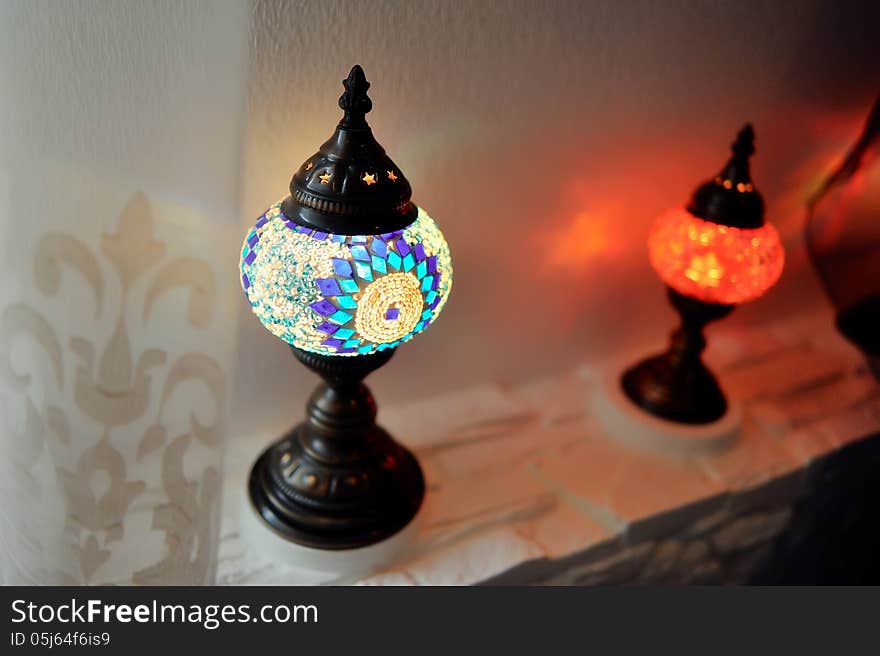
[120, 129]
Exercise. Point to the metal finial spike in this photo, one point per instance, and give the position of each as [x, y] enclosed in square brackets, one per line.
[736, 170]
[744, 146]
[354, 101]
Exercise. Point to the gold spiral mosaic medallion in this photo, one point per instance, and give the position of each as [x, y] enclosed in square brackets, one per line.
[389, 308]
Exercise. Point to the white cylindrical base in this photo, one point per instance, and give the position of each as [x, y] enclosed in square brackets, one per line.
[624, 420]
[323, 565]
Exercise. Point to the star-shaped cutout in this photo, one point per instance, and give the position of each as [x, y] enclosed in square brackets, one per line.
[309, 166]
[391, 176]
[324, 177]
[369, 178]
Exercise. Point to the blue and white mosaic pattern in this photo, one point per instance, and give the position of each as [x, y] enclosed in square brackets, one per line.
[345, 295]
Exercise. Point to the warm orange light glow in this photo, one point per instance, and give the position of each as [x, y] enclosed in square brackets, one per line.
[714, 263]
[584, 238]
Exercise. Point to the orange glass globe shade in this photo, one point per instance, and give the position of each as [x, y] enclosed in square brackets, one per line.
[714, 263]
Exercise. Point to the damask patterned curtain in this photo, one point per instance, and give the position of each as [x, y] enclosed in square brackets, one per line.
[120, 127]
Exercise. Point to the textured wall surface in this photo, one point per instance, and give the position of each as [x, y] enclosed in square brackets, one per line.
[545, 137]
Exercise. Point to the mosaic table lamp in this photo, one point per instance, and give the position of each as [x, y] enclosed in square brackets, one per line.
[714, 254]
[344, 269]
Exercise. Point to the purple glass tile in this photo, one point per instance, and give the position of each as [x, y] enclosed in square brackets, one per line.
[249, 259]
[262, 221]
[379, 247]
[392, 314]
[345, 350]
[324, 307]
[302, 229]
[327, 327]
[342, 267]
[432, 264]
[253, 239]
[332, 341]
[328, 286]
[290, 225]
[320, 236]
[434, 303]
[245, 281]
[402, 247]
[419, 250]
[436, 284]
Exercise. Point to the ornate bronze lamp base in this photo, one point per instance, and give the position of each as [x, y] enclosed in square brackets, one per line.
[676, 385]
[337, 480]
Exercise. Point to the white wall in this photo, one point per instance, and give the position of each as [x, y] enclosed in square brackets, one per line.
[545, 136]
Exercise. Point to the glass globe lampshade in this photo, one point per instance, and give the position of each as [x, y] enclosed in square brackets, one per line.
[345, 295]
[714, 263]
[344, 270]
[712, 255]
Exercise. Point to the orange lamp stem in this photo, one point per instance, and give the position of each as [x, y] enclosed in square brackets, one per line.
[676, 385]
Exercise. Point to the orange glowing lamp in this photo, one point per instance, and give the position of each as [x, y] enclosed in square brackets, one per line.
[714, 254]
[714, 263]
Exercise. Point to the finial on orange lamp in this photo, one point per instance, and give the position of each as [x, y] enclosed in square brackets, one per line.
[713, 255]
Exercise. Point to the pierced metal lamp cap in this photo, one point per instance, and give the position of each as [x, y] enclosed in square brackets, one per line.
[731, 198]
[350, 186]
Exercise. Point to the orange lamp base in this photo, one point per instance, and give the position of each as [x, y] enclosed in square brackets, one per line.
[676, 385]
